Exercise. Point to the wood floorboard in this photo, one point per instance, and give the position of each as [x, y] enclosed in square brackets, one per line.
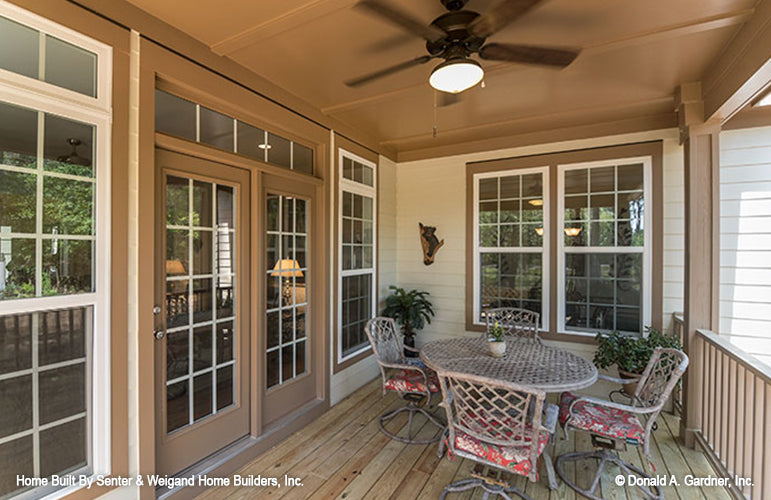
[343, 455]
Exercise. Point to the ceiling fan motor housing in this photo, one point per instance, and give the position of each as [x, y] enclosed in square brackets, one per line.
[458, 42]
[454, 4]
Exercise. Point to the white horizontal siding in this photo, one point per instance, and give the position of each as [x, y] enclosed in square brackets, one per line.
[745, 239]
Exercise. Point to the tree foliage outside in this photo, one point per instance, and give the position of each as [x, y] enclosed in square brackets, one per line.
[68, 209]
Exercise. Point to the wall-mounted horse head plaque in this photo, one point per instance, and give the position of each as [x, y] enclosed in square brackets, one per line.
[429, 242]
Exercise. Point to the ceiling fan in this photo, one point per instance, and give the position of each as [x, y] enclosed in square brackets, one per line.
[456, 35]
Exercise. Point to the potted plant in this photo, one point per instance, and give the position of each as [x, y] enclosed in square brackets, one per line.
[496, 341]
[630, 354]
[411, 310]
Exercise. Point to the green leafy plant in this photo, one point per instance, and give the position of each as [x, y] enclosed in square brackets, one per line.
[411, 310]
[495, 333]
[630, 354]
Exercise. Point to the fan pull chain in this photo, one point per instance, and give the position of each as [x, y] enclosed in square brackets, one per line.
[435, 127]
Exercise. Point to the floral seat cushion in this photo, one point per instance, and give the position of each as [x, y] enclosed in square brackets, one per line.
[601, 420]
[412, 381]
[512, 458]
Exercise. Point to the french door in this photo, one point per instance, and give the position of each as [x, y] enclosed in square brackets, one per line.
[290, 344]
[202, 309]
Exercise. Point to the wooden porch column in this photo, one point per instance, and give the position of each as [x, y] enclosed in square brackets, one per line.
[702, 251]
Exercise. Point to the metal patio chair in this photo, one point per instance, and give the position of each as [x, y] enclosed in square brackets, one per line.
[516, 322]
[497, 424]
[410, 377]
[614, 425]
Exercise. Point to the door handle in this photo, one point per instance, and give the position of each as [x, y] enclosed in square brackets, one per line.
[159, 334]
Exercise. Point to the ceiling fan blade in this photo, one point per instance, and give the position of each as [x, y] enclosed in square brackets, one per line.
[387, 71]
[501, 15]
[402, 19]
[528, 54]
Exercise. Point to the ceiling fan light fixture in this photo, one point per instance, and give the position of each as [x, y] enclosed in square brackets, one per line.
[456, 75]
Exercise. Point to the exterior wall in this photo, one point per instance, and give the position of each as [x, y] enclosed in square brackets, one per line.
[745, 239]
[434, 192]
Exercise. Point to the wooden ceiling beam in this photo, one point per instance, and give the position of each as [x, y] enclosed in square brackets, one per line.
[585, 112]
[290, 19]
[742, 70]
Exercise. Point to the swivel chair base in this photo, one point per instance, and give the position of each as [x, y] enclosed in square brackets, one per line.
[604, 456]
[413, 407]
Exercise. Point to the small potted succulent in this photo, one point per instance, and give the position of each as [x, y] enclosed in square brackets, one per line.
[630, 354]
[496, 341]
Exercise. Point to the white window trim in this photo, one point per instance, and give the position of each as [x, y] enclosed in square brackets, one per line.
[48, 98]
[371, 192]
[103, 100]
[543, 250]
[646, 249]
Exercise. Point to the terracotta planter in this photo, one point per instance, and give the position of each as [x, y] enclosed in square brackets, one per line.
[631, 386]
[497, 349]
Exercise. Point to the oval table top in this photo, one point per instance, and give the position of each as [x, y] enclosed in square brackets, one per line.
[526, 362]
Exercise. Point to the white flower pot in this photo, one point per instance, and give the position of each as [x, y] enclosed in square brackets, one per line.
[497, 349]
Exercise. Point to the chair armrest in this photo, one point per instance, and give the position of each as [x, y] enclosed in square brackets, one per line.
[550, 414]
[618, 380]
[611, 404]
[408, 348]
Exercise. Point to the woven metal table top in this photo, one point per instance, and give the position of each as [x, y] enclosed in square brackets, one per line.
[526, 362]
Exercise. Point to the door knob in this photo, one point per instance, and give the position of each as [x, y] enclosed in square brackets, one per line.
[158, 334]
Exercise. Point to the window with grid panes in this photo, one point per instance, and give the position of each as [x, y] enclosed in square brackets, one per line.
[54, 243]
[357, 253]
[509, 239]
[603, 247]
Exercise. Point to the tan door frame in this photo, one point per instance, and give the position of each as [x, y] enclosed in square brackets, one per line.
[212, 428]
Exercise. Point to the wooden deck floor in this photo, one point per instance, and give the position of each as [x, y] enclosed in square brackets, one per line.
[343, 455]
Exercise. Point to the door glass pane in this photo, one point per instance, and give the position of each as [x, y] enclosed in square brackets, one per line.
[287, 278]
[200, 299]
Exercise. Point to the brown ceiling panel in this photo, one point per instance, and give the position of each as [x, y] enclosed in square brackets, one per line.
[634, 55]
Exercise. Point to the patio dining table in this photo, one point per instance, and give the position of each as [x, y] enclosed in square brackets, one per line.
[526, 362]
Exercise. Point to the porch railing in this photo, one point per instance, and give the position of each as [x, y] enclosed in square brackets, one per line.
[735, 413]
[678, 329]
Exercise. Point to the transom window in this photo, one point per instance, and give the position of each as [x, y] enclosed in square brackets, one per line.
[188, 120]
[604, 248]
[511, 227]
[357, 253]
[30, 52]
